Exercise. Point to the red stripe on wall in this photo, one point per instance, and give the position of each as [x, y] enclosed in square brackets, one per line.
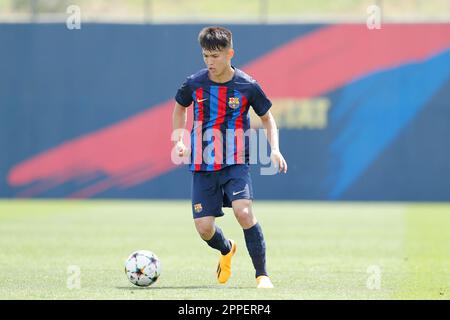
[330, 57]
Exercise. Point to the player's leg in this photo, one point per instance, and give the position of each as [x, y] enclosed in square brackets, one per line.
[215, 238]
[207, 198]
[240, 191]
[212, 234]
[254, 237]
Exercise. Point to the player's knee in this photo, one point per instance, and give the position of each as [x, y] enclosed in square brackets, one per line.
[242, 212]
[205, 230]
[244, 215]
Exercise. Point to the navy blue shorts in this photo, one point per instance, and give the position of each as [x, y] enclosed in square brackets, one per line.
[212, 190]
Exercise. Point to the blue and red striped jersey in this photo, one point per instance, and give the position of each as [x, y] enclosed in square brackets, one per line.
[221, 118]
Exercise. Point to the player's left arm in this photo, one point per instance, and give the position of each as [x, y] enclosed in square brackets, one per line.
[270, 125]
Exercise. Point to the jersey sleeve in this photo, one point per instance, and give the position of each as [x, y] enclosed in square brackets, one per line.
[260, 103]
[184, 94]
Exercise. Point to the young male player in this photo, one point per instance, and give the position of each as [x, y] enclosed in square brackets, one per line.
[222, 95]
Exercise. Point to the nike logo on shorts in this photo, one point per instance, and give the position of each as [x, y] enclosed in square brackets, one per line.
[235, 193]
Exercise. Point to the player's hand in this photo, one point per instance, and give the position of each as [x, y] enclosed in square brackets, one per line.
[182, 151]
[278, 160]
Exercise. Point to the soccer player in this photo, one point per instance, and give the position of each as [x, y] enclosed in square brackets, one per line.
[219, 152]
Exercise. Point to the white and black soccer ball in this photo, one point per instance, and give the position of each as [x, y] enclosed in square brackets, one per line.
[143, 268]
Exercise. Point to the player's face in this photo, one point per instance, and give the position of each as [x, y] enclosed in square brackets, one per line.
[217, 60]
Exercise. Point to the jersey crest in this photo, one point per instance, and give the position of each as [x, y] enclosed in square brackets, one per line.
[233, 102]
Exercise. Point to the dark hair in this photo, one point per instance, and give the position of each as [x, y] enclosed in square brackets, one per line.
[215, 38]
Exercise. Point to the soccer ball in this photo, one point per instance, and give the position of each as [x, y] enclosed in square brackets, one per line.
[142, 268]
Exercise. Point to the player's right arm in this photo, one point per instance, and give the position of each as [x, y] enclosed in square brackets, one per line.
[183, 99]
[179, 119]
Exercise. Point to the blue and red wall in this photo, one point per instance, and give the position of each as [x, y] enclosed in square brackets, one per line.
[364, 114]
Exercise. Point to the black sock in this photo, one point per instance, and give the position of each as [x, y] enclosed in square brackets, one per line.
[219, 242]
[256, 247]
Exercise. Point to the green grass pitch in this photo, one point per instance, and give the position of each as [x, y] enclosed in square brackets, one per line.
[315, 250]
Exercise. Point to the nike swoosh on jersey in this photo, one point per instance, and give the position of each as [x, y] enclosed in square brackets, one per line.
[235, 193]
[201, 100]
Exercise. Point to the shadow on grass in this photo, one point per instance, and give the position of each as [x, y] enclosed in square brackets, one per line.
[181, 287]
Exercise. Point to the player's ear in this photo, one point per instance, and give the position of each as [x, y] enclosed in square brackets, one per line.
[230, 53]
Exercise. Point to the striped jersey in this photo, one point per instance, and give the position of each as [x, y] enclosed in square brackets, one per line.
[221, 118]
